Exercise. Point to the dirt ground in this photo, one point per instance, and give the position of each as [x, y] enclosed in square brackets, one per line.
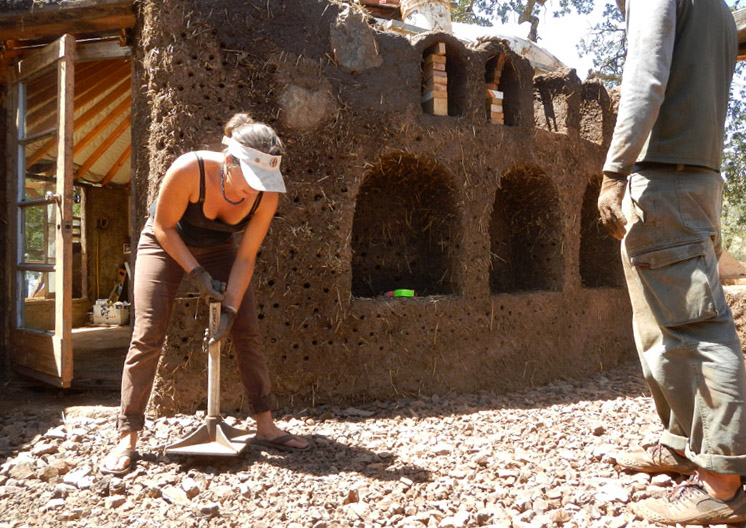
[530, 459]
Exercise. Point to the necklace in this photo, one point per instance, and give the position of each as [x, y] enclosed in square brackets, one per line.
[222, 188]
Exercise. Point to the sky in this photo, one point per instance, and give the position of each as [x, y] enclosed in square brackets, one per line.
[560, 36]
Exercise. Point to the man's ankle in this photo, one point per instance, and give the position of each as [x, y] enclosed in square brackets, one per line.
[719, 485]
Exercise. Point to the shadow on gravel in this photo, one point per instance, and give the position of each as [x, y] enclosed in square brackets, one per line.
[328, 457]
[28, 411]
[625, 381]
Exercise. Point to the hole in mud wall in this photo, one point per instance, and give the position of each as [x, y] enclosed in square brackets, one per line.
[443, 80]
[526, 233]
[404, 231]
[494, 97]
[550, 109]
[600, 262]
[591, 118]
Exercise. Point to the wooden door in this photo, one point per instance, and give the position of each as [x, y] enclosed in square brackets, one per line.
[41, 104]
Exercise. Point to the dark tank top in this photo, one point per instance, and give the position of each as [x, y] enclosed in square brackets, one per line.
[195, 229]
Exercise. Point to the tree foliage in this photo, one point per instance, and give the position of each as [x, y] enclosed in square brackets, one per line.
[734, 168]
[607, 46]
[487, 12]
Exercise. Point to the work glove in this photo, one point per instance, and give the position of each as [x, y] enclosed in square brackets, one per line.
[227, 316]
[208, 287]
[610, 204]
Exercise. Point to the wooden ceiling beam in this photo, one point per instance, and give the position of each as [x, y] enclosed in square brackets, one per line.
[117, 164]
[118, 91]
[81, 120]
[112, 74]
[110, 139]
[101, 125]
[43, 93]
[79, 17]
[99, 83]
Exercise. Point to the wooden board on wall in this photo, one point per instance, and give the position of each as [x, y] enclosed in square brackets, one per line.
[80, 17]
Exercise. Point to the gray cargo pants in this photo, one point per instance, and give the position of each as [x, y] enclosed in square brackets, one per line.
[684, 331]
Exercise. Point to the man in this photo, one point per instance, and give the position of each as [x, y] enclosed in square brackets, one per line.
[668, 139]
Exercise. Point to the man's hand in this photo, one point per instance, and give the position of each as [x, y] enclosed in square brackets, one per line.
[610, 205]
[227, 315]
[207, 286]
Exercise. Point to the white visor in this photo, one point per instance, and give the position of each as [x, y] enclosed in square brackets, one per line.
[261, 171]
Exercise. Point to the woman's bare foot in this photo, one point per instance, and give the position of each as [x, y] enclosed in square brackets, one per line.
[119, 460]
[267, 430]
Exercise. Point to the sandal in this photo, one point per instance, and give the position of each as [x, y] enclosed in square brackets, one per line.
[117, 454]
[281, 443]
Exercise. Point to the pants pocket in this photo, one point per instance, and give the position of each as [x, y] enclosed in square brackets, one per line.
[675, 283]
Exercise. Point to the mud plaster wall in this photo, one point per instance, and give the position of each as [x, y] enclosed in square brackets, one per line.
[201, 61]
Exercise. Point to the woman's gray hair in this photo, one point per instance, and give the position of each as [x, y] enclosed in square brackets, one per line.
[253, 134]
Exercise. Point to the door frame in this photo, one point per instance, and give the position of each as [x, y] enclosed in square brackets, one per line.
[44, 355]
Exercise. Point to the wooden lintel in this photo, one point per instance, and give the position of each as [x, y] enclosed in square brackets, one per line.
[79, 17]
[111, 49]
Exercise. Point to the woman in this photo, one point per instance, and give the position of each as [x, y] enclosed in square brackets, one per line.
[204, 199]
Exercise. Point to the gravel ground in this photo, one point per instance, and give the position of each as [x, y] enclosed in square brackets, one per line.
[536, 458]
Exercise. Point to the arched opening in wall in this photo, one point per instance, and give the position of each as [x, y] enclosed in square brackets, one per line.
[443, 80]
[405, 231]
[494, 97]
[501, 76]
[526, 233]
[600, 263]
[591, 117]
[550, 107]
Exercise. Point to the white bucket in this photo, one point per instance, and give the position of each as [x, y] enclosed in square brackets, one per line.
[427, 14]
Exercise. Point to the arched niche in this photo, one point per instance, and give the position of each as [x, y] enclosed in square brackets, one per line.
[526, 233]
[444, 75]
[405, 230]
[500, 76]
[600, 262]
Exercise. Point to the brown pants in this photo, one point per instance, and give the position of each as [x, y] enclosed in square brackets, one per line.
[157, 278]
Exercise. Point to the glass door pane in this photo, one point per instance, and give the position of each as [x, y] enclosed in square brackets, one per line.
[37, 208]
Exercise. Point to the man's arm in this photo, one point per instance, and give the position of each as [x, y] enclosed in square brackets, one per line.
[651, 32]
